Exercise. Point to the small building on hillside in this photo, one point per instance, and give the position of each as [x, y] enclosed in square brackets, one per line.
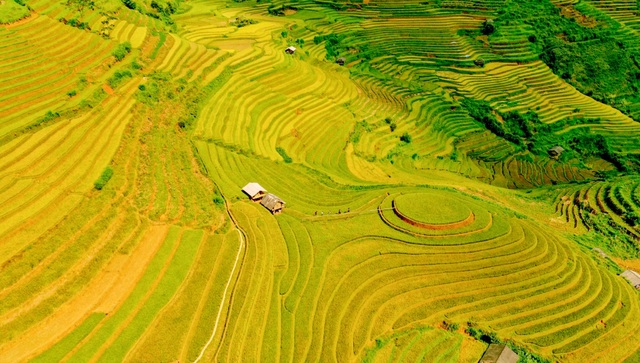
[499, 353]
[341, 61]
[273, 203]
[255, 191]
[290, 50]
[633, 277]
[555, 151]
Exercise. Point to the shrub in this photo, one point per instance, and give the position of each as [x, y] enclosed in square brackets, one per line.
[482, 112]
[75, 23]
[479, 334]
[80, 5]
[332, 43]
[72, 93]
[104, 178]
[164, 11]
[406, 138]
[218, 201]
[242, 22]
[633, 218]
[525, 356]
[50, 116]
[136, 66]
[118, 77]
[393, 127]
[362, 126]
[98, 96]
[284, 155]
[121, 51]
[488, 27]
[130, 4]
[450, 326]
[280, 10]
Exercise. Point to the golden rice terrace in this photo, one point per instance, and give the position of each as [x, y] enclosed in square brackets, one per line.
[320, 181]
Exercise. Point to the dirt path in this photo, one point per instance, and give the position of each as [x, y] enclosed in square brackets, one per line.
[236, 262]
[225, 293]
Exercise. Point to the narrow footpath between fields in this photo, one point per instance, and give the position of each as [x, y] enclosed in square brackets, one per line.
[231, 276]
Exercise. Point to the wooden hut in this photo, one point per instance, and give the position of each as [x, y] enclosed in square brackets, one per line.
[290, 50]
[273, 203]
[341, 61]
[499, 353]
[555, 151]
[255, 191]
[633, 277]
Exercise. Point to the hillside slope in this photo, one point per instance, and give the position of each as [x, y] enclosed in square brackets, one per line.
[424, 216]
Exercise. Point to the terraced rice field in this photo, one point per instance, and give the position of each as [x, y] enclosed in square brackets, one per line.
[408, 225]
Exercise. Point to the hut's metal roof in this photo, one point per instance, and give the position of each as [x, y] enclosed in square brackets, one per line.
[632, 276]
[291, 48]
[499, 353]
[270, 201]
[557, 149]
[253, 189]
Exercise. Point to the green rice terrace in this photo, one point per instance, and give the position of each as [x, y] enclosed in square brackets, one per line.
[320, 181]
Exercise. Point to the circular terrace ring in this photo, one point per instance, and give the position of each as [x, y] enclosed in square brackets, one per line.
[432, 211]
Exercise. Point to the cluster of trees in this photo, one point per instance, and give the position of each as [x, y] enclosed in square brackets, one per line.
[121, 51]
[277, 10]
[491, 337]
[242, 22]
[392, 125]
[332, 43]
[160, 11]
[167, 10]
[80, 5]
[595, 59]
[526, 131]
[336, 45]
[118, 77]
[76, 23]
[406, 138]
[183, 97]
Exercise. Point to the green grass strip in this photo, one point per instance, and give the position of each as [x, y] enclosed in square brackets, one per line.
[163, 38]
[60, 349]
